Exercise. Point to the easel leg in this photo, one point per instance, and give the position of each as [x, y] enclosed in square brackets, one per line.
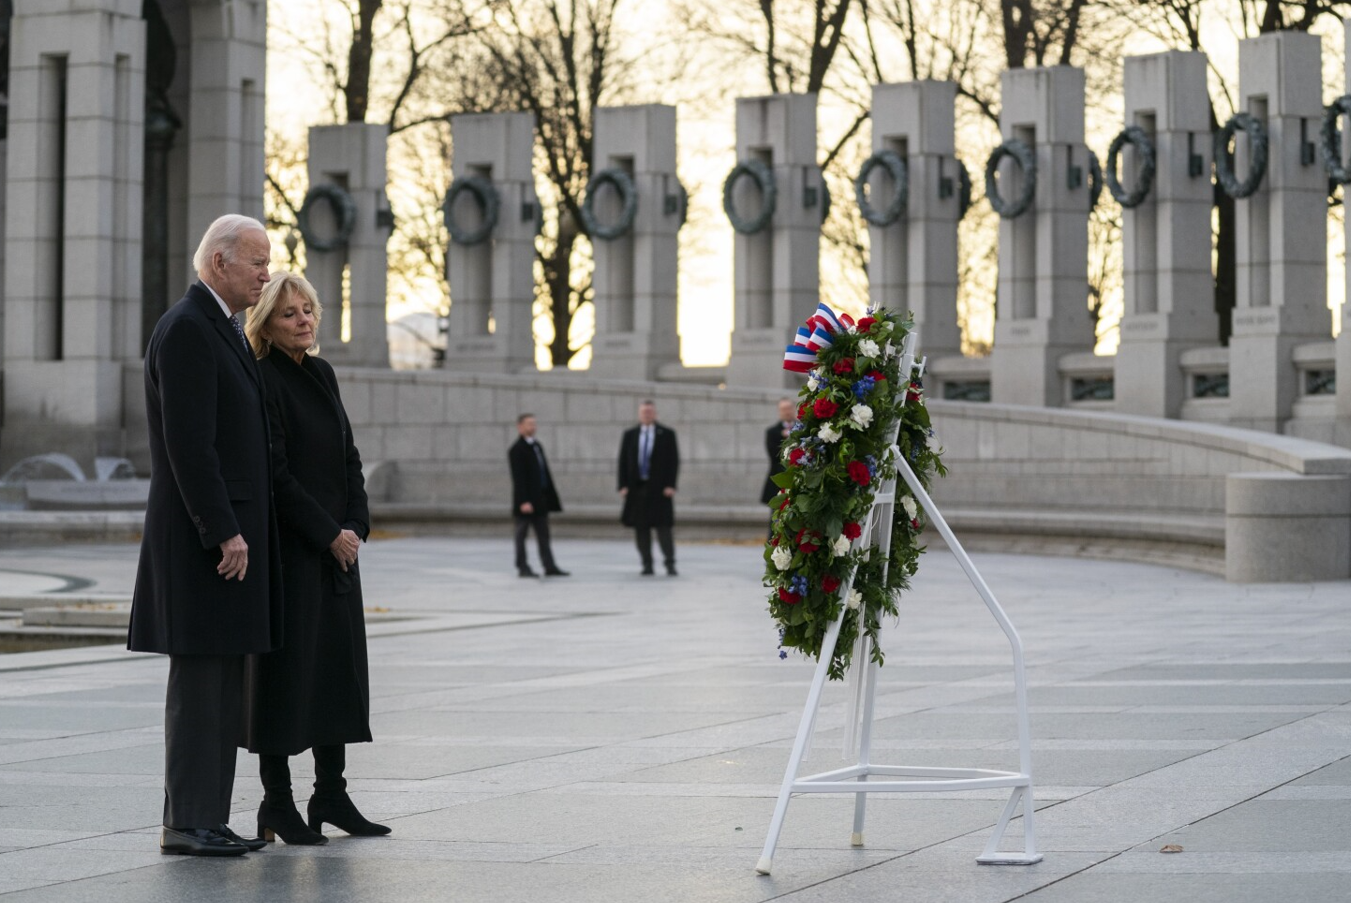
[865, 741]
[804, 730]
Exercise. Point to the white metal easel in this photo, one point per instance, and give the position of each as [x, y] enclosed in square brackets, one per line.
[855, 779]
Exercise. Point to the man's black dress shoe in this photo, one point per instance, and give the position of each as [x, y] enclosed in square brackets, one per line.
[526, 572]
[556, 572]
[198, 842]
[646, 572]
[252, 844]
[671, 571]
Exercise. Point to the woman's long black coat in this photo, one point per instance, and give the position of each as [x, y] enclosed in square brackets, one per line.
[314, 691]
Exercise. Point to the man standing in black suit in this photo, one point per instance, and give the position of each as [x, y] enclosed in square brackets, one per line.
[208, 587]
[533, 497]
[774, 437]
[649, 462]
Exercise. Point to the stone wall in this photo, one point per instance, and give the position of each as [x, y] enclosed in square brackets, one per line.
[1032, 479]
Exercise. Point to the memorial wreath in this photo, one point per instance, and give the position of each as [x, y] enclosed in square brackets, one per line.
[837, 455]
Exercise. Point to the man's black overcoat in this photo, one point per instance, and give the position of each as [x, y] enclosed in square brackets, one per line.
[315, 690]
[527, 484]
[645, 505]
[210, 480]
[773, 445]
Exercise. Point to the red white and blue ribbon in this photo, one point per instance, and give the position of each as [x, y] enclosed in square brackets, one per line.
[800, 357]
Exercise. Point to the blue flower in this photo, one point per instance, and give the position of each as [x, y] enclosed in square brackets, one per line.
[871, 461]
[864, 386]
[782, 655]
[798, 585]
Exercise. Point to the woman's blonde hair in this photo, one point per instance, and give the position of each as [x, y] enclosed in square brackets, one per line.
[279, 288]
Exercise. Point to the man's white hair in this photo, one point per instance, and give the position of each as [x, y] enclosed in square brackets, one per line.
[223, 236]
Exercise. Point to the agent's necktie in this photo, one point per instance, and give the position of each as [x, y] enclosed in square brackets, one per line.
[644, 452]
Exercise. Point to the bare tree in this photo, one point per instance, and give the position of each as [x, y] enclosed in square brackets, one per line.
[556, 59]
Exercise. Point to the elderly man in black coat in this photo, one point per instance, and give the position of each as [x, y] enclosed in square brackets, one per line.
[649, 462]
[533, 497]
[208, 587]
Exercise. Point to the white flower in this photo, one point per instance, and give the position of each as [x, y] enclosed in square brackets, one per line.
[851, 329]
[869, 348]
[860, 416]
[841, 546]
[813, 381]
[888, 351]
[781, 558]
[855, 599]
[911, 509]
[828, 433]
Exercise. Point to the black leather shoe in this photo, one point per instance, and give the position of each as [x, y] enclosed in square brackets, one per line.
[198, 842]
[252, 844]
[646, 572]
[556, 572]
[526, 572]
[339, 812]
[281, 819]
[671, 571]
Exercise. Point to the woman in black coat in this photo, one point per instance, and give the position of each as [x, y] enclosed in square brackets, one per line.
[314, 692]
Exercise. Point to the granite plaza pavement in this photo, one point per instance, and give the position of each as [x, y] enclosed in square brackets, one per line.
[613, 738]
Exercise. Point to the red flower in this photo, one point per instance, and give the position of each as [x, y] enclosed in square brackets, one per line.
[796, 455]
[914, 523]
[830, 584]
[878, 375]
[913, 393]
[824, 408]
[774, 541]
[844, 366]
[865, 324]
[807, 542]
[790, 598]
[852, 530]
[787, 499]
[802, 411]
[858, 472]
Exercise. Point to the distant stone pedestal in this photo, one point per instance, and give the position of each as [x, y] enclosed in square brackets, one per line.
[635, 275]
[72, 233]
[350, 278]
[913, 261]
[1282, 527]
[1169, 291]
[492, 282]
[228, 58]
[1042, 307]
[1281, 230]
[777, 274]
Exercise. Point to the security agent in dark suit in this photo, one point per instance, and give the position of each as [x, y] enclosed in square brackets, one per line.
[533, 497]
[774, 437]
[649, 462]
[208, 586]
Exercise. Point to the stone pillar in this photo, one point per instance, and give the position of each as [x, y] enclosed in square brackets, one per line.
[225, 128]
[352, 332]
[492, 284]
[635, 275]
[1042, 304]
[73, 225]
[776, 269]
[913, 263]
[1343, 429]
[1169, 289]
[1281, 230]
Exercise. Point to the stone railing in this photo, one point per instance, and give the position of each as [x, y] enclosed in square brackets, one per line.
[1252, 505]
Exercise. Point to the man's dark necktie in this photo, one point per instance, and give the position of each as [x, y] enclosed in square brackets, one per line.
[239, 331]
[644, 452]
[539, 458]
